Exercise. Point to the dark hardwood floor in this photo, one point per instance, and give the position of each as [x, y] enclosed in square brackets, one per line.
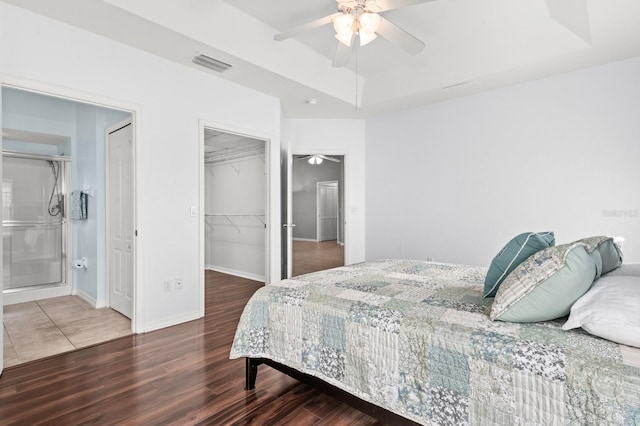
[309, 256]
[178, 375]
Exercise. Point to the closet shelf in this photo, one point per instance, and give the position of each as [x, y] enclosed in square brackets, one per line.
[228, 156]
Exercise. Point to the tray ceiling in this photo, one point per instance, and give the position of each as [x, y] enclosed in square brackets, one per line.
[471, 45]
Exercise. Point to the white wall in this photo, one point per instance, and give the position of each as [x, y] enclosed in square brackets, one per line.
[456, 180]
[339, 137]
[170, 99]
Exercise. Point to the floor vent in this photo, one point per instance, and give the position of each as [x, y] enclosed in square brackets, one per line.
[209, 62]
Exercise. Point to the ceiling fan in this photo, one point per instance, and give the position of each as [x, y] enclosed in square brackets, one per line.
[359, 21]
[316, 159]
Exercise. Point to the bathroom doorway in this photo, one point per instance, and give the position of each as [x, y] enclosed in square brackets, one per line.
[54, 225]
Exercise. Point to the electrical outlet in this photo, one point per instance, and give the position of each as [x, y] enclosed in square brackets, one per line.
[168, 286]
[179, 283]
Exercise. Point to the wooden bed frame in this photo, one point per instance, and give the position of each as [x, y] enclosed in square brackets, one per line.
[374, 411]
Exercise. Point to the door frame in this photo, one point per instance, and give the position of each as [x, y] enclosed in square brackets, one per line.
[346, 208]
[62, 92]
[272, 203]
[318, 185]
[108, 131]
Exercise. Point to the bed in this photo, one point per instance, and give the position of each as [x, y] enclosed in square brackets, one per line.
[414, 338]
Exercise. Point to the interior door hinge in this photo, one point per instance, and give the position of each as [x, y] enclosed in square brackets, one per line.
[135, 232]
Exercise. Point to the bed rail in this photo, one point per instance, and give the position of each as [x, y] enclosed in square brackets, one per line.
[373, 410]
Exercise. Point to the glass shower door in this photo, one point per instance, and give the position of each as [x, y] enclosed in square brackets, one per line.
[33, 225]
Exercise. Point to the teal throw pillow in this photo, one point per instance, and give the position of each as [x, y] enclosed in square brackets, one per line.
[519, 249]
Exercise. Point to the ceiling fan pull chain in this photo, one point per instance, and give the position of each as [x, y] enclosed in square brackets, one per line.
[356, 47]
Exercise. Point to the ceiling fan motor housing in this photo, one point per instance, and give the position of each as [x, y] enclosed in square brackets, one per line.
[357, 7]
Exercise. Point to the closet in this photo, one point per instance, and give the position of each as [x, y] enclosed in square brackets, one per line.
[235, 198]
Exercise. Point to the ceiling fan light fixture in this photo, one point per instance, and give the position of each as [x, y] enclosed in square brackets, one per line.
[314, 159]
[366, 38]
[361, 18]
[343, 24]
[368, 22]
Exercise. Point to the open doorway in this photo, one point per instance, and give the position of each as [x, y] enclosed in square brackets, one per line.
[317, 213]
[55, 288]
[235, 204]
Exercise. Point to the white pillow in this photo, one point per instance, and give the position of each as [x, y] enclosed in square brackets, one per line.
[632, 269]
[610, 309]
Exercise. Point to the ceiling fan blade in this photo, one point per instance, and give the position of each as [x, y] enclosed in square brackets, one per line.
[335, 160]
[343, 52]
[393, 33]
[306, 27]
[384, 5]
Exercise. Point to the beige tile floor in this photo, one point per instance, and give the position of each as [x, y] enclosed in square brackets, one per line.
[35, 330]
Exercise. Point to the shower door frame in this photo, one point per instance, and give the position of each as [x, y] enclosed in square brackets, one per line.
[65, 240]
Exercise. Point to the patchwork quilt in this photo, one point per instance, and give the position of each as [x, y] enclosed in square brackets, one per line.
[415, 338]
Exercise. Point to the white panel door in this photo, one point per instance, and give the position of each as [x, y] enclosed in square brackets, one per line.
[327, 211]
[120, 219]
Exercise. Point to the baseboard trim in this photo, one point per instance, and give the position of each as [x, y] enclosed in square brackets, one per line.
[87, 298]
[171, 322]
[236, 273]
[305, 239]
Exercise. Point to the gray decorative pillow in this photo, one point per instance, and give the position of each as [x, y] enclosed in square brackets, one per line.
[544, 286]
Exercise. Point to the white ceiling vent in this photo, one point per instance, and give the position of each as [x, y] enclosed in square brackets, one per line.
[209, 62]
